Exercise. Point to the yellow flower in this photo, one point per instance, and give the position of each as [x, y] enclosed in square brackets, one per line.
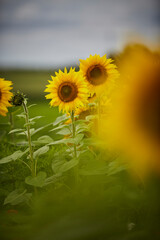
[135, 115]
[129, 61]
[5, 96]
[68, 90]
[98, 72]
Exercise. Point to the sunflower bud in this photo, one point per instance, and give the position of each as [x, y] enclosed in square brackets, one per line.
[17, 99]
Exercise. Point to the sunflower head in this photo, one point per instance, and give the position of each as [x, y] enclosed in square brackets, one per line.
[145, 101]
[68, 90]
[135, 116]
[5, 96]
[98, 72]
[140, 68]
[17, 99]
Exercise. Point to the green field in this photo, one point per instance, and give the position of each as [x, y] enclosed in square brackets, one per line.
[30, 82]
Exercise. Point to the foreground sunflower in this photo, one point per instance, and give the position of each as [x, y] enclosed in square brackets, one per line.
[135, 115]
[98, 72]
[5, 96]
[68, 90]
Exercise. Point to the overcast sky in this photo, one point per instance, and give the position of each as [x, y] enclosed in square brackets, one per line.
[49, 33]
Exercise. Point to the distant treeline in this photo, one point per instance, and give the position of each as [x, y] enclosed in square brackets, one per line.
[31, 82]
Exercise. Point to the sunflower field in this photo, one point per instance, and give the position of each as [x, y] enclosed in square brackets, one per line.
[80, 155]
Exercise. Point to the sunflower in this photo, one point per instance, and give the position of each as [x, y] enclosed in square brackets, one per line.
[135, 115]
[68, 90]
[98, 72]
[131, 59]
[5, 96]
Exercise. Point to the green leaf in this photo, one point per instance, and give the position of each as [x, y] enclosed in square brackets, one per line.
[90, 117]
[78, 138]
[17, 197]
[37, 181]
[41, 128]
[52, 179]
[63, 166]
[56, 165]
[29, 124]
[79, 122]
[43, 140]
[61, 119]
[62, 141]
[32, 105]
[80, 125]
[40, 151]
[59, 127]
[16, 155]
[79, 152]
[82, 128]
[64, 131]
[32, 130]
[16, 130]
[35, 118]
[21, 115]
[68, 165]
[75, 140]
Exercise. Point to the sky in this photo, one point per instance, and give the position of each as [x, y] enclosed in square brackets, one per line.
[49, 33]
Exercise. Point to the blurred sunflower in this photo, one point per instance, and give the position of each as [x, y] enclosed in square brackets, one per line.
[135, 120]
[68, 90]
[129, 61]
[5, 96]
[98, 72]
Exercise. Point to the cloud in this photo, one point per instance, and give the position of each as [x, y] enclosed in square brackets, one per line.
[47, 33]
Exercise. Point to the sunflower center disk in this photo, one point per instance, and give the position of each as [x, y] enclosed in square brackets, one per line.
[149, 109]
[67, 92]
[96, 75]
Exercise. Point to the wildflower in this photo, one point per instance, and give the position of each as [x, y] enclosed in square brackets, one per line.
[142, 93]
[68, 90]
[98, 72]
[135, 120]
[5, 96]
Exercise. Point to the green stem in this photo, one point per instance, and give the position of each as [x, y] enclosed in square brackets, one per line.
[29, 139]
[11, 119]
[75, 147]
[74, 133]
[12, 124]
